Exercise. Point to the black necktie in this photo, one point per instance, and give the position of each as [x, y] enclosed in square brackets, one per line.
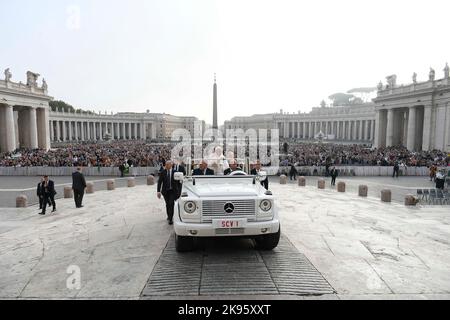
[170, 179]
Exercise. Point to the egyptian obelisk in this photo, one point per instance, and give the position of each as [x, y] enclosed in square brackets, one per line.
[215, 126]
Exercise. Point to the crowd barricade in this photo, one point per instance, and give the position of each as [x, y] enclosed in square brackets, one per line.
[345, 171]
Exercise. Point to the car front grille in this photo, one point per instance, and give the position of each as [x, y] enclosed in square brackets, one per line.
[216, 209]
[230, 231]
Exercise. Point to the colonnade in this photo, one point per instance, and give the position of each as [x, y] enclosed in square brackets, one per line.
[348, 130]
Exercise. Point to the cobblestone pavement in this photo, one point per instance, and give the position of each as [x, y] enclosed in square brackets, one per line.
[232, 266]
[11, 187]
[361, 247]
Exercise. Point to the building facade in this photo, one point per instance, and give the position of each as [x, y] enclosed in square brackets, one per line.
[352, 123]
[416, 115]
[24, 113]
[27, 121]
[78, 127]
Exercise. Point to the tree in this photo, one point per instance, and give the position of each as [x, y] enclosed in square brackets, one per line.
[340, 98]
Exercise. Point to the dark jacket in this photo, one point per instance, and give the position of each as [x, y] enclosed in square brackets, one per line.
[200, 172]
[50, 190]
[78, 181]
[164, 183]
[179, 168]
[334, 173]
[264, 183]
[39, 191]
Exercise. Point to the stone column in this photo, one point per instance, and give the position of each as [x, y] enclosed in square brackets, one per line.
[390, 128]
[411, 140]
[76, 130]
[32, 129]
[70, 131]
[360, 137]
[135, 131]
[82, 130]
[100, 127]
[43, 128]
[58, 131]
[142, 131]
[368, 137]
[52, 136]
[9, 131]
[426, 128]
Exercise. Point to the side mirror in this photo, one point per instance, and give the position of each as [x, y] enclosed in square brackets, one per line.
[178, 176]
[262, 175]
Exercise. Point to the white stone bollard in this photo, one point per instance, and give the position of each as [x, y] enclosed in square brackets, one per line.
[301, 181]
[341, 186]
[410, 200]
[150, 180]
[68, 192]
[21, 201]
[110, 185]
[321, 184]
[283, 179]
[89, 187]
[386, 195]
[362, 191]
[131, 182]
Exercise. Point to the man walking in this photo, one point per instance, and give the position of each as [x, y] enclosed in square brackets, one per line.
[293, 172]
[78, 186]
[396, 169]
[255, 171]
[168, 188]
[334, 174]
[178, 167]
[40, 193]
[48, 191]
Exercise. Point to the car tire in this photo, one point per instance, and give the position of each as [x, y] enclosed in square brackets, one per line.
[269, 241]
[184, 244]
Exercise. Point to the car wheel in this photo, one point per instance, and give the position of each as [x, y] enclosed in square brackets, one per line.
[269, 241]
[184, 244]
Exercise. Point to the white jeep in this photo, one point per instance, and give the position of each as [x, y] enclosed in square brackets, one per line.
[225, 206]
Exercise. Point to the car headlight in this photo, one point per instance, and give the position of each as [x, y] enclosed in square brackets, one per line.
[190, 207]
[265, 205]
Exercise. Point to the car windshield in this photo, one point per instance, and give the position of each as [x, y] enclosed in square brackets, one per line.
[234, 180]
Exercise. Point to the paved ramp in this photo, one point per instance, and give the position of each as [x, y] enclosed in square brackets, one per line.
[228, 266]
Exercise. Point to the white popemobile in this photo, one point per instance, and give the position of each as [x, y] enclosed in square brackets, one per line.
[222, 206]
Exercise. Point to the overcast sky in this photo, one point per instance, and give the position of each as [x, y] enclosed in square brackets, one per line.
[162, 55]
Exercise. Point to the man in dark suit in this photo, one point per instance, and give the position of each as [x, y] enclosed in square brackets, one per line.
[203, 170]
[78, 186]
[40, 193]
[334, 173]
[48, 191]
[168, 188]
[233, 167]
[255, 171]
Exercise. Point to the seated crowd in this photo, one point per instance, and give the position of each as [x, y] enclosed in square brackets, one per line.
[144, 154]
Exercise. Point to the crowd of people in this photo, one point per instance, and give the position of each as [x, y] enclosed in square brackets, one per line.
[312, 154]
[112, 154]
[142, 154]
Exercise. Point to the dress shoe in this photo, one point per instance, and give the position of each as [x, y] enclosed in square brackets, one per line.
[170, 223]
[53, 210]
[41, 213]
